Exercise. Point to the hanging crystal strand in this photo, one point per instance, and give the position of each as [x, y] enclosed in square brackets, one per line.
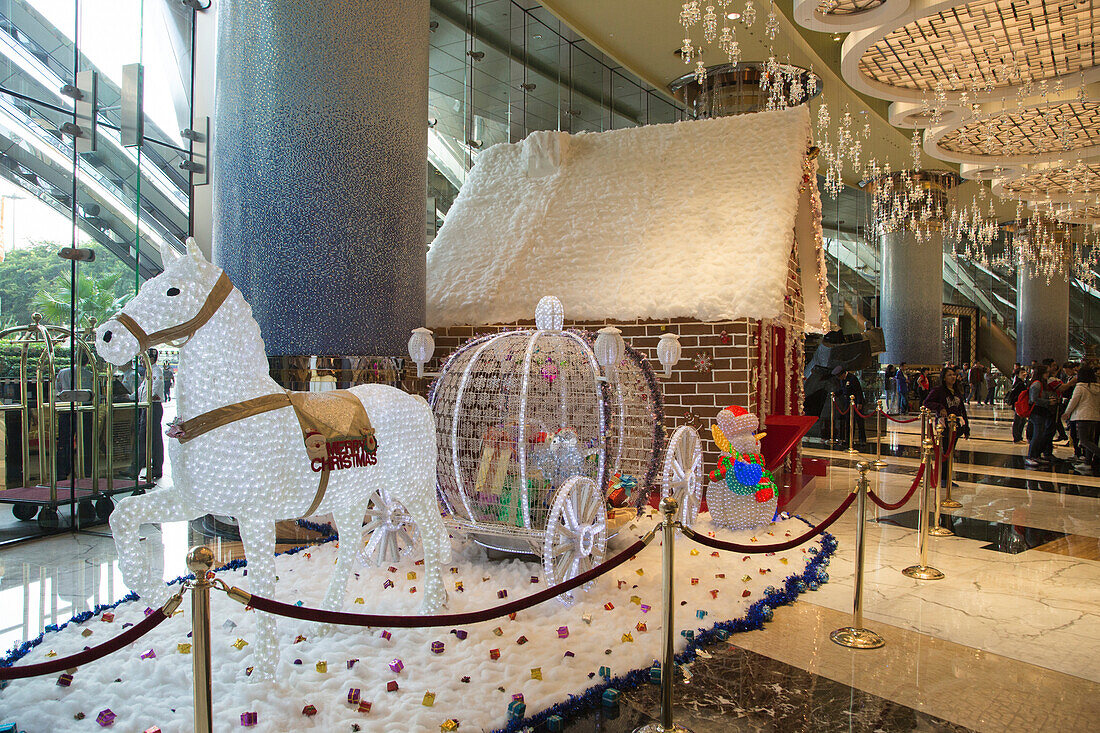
[811, 83]
[710, 25]
[796, 94]
[687, 51]
[749, 16]
[700, 71]
[771, 27]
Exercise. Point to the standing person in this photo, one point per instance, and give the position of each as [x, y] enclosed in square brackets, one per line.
[890, 385]
[1055, 382]
[963, 374]
[903, 390]
[838, 402]
[990, 386]
[150, 419]
[852, 388]
[66, 424]
[923, 385]
[1042, 399]
[1083, 414]
[1019, 386]
[169, 379]
[1065, 389]
[947, 399]
[975, 376]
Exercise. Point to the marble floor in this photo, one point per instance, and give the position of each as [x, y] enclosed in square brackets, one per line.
[1008, 640]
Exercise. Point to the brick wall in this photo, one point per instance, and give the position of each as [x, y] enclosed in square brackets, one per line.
[694, 395]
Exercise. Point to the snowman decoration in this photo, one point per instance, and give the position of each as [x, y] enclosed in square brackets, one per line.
[741, 493]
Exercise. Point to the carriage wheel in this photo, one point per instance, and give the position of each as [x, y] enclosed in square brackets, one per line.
[682, 477]
[388, 531]
[576, 533]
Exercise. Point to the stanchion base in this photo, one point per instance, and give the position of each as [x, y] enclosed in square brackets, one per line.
[658, 728]
[940, 532]
[854, 638]
[853, 451]
[879, 463]
[950, 504]
[926, 572]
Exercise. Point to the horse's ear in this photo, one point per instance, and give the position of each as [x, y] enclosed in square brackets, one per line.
[168, 253]
[193, 249]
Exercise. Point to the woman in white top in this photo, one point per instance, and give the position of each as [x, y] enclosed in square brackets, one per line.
[1084, 410]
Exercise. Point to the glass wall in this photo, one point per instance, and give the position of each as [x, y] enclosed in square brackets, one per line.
[94, 95]
[500, 69]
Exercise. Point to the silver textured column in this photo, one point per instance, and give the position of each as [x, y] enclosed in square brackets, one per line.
[1042, 318]
[911, 311]
[320, 144]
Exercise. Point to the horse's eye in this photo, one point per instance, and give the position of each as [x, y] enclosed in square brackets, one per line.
[173, 291]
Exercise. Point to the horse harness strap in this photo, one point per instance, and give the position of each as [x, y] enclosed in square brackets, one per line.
[322, 415]
[201, 424]
[214, 299]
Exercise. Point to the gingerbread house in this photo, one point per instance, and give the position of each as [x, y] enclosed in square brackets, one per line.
[710, 229]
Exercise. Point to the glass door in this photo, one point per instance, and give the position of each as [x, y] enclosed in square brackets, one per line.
[94, 98]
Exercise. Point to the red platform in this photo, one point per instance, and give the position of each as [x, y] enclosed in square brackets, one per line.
[784, 435]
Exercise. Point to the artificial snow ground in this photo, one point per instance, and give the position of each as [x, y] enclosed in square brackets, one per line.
[157, 691]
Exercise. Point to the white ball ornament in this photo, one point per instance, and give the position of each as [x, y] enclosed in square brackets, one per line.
[257, 469]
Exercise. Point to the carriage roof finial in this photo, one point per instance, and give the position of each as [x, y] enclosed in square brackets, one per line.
[549, 314]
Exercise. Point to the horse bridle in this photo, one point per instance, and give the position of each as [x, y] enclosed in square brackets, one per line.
[214, 300]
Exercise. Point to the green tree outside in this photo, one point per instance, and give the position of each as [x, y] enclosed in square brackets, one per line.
[34, 279]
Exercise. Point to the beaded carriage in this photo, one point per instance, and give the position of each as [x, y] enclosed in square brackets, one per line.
[549, 438]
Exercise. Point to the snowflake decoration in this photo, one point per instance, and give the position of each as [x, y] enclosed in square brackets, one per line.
[703, 362]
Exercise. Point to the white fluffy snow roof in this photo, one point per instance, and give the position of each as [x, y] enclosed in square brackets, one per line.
[692, 219]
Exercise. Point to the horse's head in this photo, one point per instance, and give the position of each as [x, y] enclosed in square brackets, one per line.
[172, 305]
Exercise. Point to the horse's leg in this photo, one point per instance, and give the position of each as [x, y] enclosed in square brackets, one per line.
[133, 559]
[424, 511]
[349, 525]
[259, 549]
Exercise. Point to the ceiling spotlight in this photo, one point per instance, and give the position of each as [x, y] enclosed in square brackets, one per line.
[733, 16]
[837, 37]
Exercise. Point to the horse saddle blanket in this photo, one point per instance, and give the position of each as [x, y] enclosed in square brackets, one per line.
[335, 427]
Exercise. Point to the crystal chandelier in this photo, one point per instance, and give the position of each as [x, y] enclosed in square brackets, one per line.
[717, 25]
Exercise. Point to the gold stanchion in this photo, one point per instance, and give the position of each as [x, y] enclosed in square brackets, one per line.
[851, 423]
[832, 417]
[855, 636]
[949, 461]
[923, 424]
[879, 463]
[936, 530]
[924, 571]
[668, 661]
[199, 561]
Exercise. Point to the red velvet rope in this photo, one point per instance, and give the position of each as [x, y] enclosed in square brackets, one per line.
[865, 417]
[838, 408]
[91, 654]
[757, 549]
[451, 619]
[908, 495]
[894, 419]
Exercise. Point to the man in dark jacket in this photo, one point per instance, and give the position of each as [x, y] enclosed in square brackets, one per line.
[850, 387]
[1019, 386]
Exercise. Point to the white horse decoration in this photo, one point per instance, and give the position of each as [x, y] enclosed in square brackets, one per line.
[257, 469]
